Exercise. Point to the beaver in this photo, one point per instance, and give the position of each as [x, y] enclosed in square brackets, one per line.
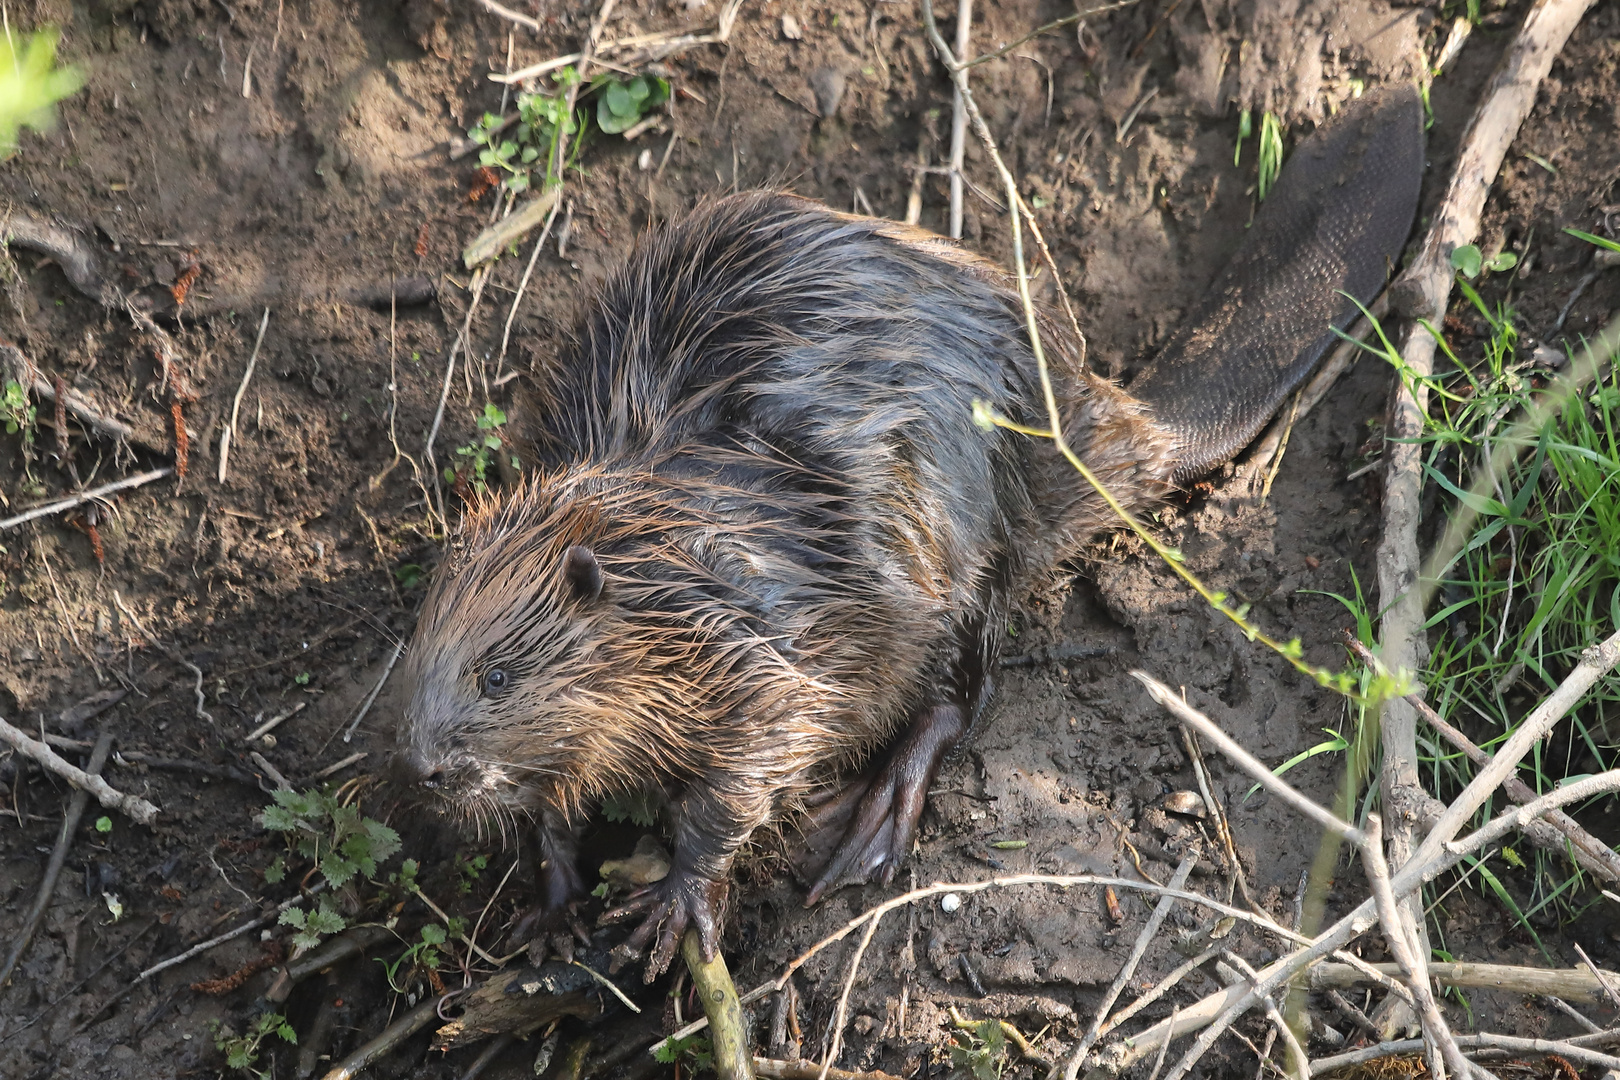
[764, 537]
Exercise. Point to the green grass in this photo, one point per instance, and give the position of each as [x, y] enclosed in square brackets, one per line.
[1535, 581]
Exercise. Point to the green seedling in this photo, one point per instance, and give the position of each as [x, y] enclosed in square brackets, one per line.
[31, 84]
[409, 575]
[1333, 746]
[1468, 261]
[17, 412]
[694, 1050]
[1271, 154]
[477, 457]
[621, 105]
[468, 870]
[302, 678]
[424, 955]
[242, 1051]
[103, 825]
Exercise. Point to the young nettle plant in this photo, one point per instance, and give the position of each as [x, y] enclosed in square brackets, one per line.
[340, 843]
[242, 1051]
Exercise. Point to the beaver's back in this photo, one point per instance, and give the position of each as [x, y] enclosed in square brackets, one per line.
[842, 356]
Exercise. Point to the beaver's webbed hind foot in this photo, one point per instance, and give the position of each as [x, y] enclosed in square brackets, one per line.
[684, 900]
[882, 811]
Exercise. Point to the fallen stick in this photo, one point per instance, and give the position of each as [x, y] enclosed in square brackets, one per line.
[1404, 942]
[86, 496]
[1563, 1048]
[134, 807]
[1573, 983]
[1247, 761]
[493, 240]
[1216, 1012]
[1149, 930]
[53, 868]
[507, 13]
[646, 46]
[27, 376]
[772, 1069]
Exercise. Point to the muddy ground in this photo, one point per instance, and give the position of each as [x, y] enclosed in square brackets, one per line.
[289, 583]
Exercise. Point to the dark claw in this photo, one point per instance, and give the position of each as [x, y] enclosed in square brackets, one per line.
[668, 909]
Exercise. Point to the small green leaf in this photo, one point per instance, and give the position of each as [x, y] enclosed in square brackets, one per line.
[302, 678]
[103, 824]
[433, 934]
[1466, 260]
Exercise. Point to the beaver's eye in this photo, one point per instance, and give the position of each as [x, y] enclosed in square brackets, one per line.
[495, 681]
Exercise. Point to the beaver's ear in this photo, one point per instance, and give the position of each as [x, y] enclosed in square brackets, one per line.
[582, 572]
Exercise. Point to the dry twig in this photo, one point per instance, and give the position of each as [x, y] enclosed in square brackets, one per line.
[166, 650]
[396, 1033]
[229, 434]
[1426, 288]
[134, 807]
[83, 497]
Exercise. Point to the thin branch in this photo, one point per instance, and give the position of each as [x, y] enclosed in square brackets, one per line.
[1247, 761]
[402, 1029]
[1426, 288]
[1404, 949]
[512, 16]
[1588, 851]
[1565, 1048]
[1150, 929]
[843, 997]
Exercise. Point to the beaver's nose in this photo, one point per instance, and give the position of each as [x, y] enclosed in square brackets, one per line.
[416, 767]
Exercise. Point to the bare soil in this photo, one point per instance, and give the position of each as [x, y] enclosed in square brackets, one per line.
[289, 583]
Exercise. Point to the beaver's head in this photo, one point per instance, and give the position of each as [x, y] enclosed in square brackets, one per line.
[576, 646]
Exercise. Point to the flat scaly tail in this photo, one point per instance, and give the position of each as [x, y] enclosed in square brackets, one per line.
[1334, 224]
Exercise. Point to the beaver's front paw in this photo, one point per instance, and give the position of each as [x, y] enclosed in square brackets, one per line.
[681, 901]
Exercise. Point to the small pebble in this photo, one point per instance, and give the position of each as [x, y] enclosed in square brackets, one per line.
[791, 28]
[950, 902]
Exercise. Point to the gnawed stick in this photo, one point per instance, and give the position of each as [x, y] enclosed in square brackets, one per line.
[1576, 984]
[718, 993]
[772, 1069]
[134, 807]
